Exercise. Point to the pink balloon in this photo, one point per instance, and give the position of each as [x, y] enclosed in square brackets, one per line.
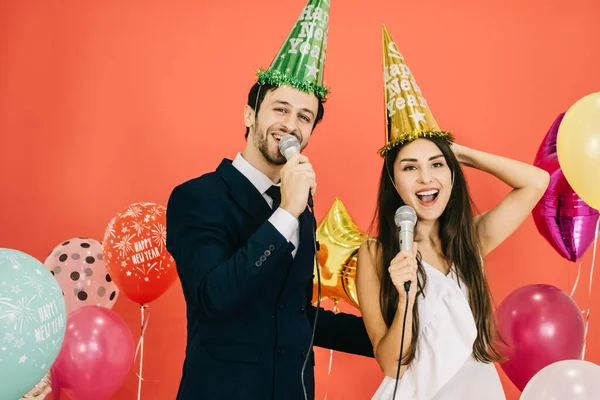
[541, 325]
[561, 217]
[78, 266]
[54, 384]
[96, 355]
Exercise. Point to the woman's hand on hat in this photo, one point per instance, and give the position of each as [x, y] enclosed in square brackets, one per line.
[460, 154]
[456, 149]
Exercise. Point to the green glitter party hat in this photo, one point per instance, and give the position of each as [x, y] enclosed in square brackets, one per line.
[300, 62]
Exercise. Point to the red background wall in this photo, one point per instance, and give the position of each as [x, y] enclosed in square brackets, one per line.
[106, 103]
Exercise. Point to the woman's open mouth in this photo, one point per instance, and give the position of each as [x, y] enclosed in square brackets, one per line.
[428, 197]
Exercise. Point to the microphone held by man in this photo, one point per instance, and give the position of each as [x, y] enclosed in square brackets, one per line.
[298, 183]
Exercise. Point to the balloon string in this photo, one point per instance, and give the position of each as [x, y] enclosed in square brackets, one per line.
[589, 300]
[576, 280]
[140, 349]
[335, 310]
[39, 388]
[328, 373]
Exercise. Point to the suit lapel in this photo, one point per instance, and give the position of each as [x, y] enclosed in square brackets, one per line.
[252, 201]
[244, 192]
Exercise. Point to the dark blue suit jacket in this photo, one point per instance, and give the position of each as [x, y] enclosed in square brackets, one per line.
[249, 312]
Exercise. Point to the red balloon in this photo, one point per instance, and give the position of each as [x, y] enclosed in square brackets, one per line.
[96, 355]
[541, 325]
[135, 252]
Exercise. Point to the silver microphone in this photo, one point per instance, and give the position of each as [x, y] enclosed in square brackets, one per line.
[406, 219]
[288, 146]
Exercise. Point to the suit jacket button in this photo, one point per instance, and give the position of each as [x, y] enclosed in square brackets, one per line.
[262, 258]
[271, 247]
[267, 253]
[303, 308]
[281, 306]
[258, 263]
[280, 351]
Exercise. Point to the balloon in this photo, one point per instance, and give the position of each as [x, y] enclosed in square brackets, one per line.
[578, 147]
[339, 239]
[541, 325]
[78, 266]
[96, 356]
[561, 216]
[40, 390]
[136, 254]
[32, 322]
[569, 379]
[55, 384]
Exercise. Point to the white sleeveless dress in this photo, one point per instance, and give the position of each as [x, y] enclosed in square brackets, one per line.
[444, 367]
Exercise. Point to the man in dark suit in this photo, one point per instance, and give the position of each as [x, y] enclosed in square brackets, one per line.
[242, 239]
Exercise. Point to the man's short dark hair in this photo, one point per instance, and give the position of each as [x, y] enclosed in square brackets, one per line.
[264, 89]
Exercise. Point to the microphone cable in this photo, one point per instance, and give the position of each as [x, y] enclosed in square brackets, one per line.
[407, 289]
[316, 249]
[313, 228]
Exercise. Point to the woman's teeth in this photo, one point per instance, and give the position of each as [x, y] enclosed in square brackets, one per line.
[428, 195]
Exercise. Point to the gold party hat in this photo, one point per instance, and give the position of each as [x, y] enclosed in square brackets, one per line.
[408, 117]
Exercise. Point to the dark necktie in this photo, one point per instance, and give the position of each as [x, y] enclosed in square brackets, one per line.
[275, 193]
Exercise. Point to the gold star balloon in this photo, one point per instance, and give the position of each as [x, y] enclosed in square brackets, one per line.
[339, 239]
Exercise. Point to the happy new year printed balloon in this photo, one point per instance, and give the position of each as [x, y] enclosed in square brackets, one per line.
[135, 251]
[32, 322]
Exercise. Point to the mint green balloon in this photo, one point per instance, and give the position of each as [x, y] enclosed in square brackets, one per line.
[32, 322]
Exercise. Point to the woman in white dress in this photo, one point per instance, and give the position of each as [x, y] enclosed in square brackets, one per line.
[451, 339]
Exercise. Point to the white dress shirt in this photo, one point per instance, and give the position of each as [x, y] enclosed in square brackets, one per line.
[282, 220]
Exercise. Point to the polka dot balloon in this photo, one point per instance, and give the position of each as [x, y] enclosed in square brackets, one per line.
[78, 266]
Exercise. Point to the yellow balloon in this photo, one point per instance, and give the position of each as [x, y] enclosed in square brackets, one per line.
[339, 239]
[578, 148]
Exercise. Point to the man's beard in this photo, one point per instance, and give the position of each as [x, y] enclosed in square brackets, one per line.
[262, 143]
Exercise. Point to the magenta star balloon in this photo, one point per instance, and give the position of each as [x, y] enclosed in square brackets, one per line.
[561, 217]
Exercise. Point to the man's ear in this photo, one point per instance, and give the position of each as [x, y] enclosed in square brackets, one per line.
[248, 116]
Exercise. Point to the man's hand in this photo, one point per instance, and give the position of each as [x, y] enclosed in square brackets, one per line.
[297, 178]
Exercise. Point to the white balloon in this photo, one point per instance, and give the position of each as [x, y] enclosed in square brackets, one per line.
[568, 379]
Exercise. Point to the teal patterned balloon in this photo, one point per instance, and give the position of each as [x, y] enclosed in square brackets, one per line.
[32, 322]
